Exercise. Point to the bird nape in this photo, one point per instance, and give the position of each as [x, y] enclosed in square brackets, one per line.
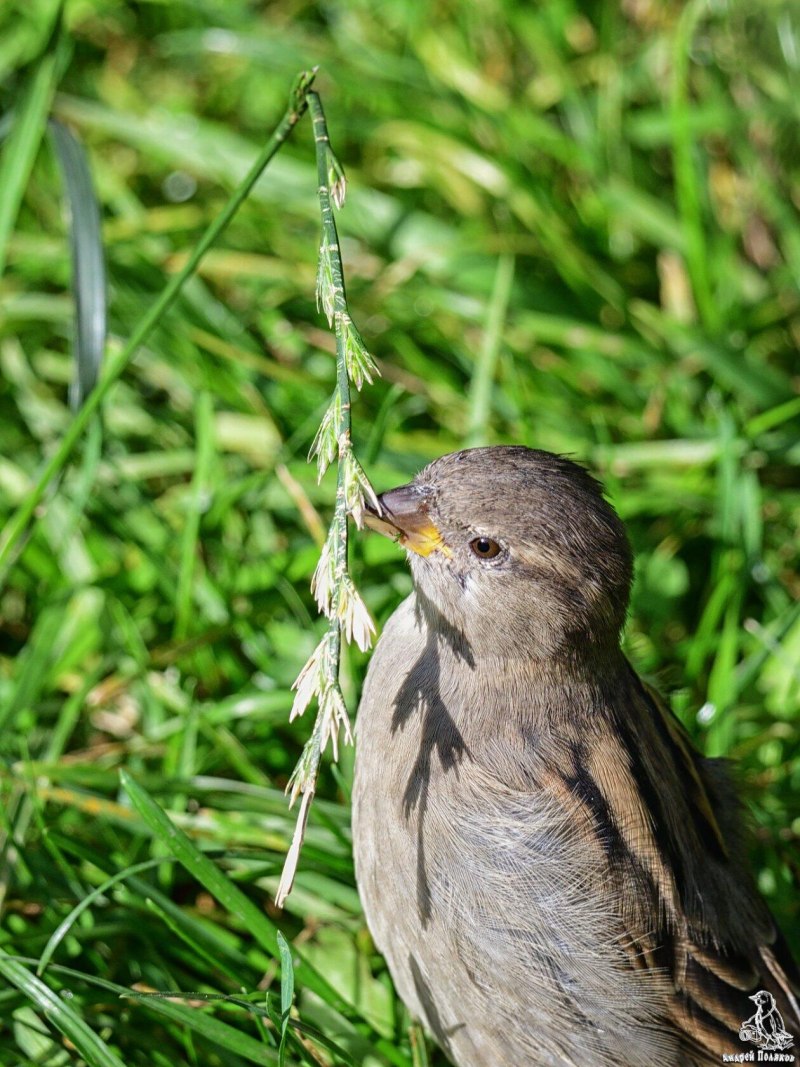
[552, 872]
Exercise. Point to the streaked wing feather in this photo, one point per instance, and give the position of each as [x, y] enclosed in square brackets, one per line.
[712, 976]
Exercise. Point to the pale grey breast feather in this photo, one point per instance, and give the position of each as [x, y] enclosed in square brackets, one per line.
[513, 898]
[521, 900]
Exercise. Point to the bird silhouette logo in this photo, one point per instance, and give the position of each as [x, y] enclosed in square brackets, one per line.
[765, 1029]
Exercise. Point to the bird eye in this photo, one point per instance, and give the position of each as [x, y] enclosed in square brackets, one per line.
[485, 547]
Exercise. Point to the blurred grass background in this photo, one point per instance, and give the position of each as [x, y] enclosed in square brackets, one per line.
[572, 225]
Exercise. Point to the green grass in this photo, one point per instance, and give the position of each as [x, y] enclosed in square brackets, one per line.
[569, 225]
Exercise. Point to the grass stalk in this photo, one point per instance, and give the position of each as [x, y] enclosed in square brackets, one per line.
[334, 590]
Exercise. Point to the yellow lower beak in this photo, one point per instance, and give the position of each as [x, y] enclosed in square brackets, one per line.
[404, 517]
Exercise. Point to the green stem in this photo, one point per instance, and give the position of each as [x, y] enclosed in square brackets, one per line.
[330, 233]
[340, 317]
[119, 360]
[307, 769]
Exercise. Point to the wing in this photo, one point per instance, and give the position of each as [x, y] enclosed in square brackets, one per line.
[684, 851]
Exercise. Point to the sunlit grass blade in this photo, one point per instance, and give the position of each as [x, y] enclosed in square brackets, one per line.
[200, 866]
[480, 390]
[689, 184]
[197, 504]
[19, 151]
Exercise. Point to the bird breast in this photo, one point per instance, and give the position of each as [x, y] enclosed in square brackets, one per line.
[492, 903]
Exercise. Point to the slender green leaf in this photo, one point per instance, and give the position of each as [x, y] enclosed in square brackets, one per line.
[57, 1010]
[69, 921]
[22, 144]
[199, 1022]
[197, 505]
[287, 993]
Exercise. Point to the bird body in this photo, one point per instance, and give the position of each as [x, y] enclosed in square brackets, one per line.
[554, 876]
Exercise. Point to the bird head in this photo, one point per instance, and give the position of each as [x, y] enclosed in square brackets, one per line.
[515, 548]
[763, 999]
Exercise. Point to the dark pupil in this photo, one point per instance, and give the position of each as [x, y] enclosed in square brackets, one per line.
[484, 546]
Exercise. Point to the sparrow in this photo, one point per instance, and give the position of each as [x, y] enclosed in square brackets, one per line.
[552, 872]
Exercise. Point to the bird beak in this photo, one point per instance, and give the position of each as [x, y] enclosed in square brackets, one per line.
[403, 516]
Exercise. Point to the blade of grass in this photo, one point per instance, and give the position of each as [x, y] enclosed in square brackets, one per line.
[88, 261]
[22, 145]
[69, 921]
[287, 993]
[32, 665]
[59, 1012]
[775, 416]
[204, 1025]
[214, 961]
[117, 363]
[419, 1047]
[480, 390]
[325, 1042]
[688, 182]
[204, 435]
